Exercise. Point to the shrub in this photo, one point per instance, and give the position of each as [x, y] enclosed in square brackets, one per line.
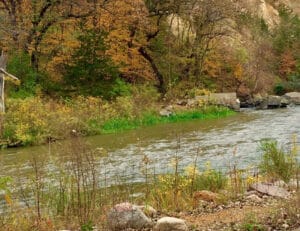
[174, 190]
[277, 163]
[279, 89]
[210, 179]
[92, 71]
[19, 65]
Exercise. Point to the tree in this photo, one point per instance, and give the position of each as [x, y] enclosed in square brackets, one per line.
[32, 19]
[91, 72]
[208, 20]
[130, 29]
[203, 22]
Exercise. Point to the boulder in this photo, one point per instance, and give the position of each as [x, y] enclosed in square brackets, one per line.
[270, 102]
[223, 99]
[166, 111]
[257, 99]
[280, 183]
[262, 104]
[226, 99]
[181, 102]
[170, 224]
[205, 195]
[270, 190]
[284, 102]
[254, 198]
[293, 97]
[148, 210]
[126, 215]
[294, 183]
[274, 101]
[192, 103]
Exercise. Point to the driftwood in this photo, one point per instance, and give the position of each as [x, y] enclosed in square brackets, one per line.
[3, 76]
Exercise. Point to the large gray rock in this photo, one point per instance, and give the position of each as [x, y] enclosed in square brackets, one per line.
[223, 99]
[148, 210]
[254, 198]
[170, 224]
[274, 101]
[294, 183]
[293, 97]
[167, 111]
[271, 101]
[270, 190]
[126, 215]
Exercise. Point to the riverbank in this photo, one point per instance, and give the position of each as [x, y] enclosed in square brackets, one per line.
[34, 121]
[78, 196]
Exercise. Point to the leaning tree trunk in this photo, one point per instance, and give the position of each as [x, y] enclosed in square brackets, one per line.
[159, 77]
[3, 60]
[3, 75]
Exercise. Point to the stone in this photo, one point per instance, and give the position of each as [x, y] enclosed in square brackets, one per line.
[284, 102]
[226, 99]
[262, 105]
[170, 224]
[270, 190]
[192, 103]
[181, 102]
[166, 111]
[280, 183]
[270, 102]
[148, 210]
[205, 195]
[254, 198]
[293, 183]
[251, 192]
[229, 100]
[285, 226]
[126, 215]
[293, 97]
[274, 101]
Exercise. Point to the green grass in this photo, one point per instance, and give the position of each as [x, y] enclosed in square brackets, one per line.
[151, 118]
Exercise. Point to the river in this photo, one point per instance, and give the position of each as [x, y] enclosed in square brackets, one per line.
[222, 142]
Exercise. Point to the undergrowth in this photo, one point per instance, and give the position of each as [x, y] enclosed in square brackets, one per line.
[78, 191]
[36, 120]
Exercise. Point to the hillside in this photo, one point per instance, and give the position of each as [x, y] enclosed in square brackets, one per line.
[63, 48]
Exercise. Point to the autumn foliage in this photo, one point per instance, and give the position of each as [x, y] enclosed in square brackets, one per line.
[167, 44]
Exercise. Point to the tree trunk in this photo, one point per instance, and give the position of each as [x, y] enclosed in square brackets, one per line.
[159, 77]
[3, 60]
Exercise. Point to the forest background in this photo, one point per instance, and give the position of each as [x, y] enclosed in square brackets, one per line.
[112, 61]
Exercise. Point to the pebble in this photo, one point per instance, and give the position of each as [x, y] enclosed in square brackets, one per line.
[285, 226]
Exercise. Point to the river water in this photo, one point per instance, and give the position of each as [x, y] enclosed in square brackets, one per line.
[222, 142]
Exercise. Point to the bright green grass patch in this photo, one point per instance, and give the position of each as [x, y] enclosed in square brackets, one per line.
[152, 118]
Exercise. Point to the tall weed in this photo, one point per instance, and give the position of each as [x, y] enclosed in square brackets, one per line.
[277, 163]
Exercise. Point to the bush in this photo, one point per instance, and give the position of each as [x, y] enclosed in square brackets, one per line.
[277, 163]
[211, 180]
[279, 89]
[92, 71]
[175, 190]
[19, 65]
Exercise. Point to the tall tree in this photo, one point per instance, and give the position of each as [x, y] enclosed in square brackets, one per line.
[91, 71]
[32, 19]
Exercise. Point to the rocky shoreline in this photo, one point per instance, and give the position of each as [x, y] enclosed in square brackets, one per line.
[271, 101]
[234, 102]
[259, 202]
